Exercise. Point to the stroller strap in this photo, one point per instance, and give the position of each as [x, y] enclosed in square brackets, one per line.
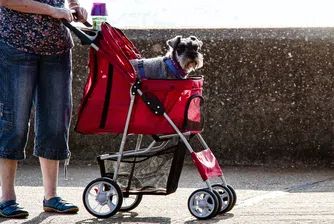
[171, 64]
[141, 69]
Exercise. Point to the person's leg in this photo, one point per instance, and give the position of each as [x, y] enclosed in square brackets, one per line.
[17, 82]
[50, 177]
[53, 107]
[53, 103]
[7, 178]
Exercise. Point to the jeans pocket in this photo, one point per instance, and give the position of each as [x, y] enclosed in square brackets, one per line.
[6, 117]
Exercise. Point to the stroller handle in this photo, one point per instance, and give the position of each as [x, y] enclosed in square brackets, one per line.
[87, 36]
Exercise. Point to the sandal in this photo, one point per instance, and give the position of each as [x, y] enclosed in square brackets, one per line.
[10, 209]
[57, 204]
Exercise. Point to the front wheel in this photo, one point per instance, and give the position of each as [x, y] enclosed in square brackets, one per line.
[203, 204]
[102, 198]
[234, 195]
[226, 197]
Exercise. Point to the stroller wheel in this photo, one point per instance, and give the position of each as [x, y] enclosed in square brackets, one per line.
[219, 201]
[102, 197]
[226, 197]
[130, 201]
[234, 195]
[203, 204]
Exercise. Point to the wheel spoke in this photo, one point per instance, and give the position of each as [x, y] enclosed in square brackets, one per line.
[97, 205]
[100, 187]
[111, 192]
[91, 195]
[223, 194]
[111, 205]
[194, 207]
[211, 206]
[207, 210]
[206, 197]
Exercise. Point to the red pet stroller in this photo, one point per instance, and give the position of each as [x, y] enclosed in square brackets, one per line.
[115, 100]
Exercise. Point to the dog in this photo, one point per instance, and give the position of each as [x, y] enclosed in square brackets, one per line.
[182, 58]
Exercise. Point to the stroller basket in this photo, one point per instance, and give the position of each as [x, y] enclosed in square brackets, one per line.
[148, 173]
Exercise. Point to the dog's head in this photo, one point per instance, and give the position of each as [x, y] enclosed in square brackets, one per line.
[186, 52]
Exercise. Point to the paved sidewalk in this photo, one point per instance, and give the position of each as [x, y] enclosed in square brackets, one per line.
[264, 196]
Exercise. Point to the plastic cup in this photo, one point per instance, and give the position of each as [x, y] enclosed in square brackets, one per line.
[99, 14]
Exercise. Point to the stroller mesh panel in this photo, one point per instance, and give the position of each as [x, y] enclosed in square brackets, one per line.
[149, 173]
[194, 114]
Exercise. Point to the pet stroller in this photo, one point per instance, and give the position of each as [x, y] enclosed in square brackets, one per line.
[170, 112]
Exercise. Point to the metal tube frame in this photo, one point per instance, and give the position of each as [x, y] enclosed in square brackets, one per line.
[94, 46]
[125, 132]
[151, 147]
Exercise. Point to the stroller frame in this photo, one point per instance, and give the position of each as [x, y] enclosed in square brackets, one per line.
[224, 193]
[151, 147]
[203, 203]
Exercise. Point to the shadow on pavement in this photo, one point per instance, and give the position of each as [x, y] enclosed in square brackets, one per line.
[216, 219]
[38, 219]
[41, 217]
[131, 217]
[127, 217]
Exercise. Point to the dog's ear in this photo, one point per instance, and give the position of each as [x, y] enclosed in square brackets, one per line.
[193, 38]
[174, 42]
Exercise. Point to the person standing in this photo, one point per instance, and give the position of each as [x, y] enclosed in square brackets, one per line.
[35, 70]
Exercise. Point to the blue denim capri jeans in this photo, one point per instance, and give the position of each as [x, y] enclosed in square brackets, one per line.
[43, 81]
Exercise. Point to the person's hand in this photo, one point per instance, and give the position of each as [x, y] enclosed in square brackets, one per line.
[62, 13]
[80, 14]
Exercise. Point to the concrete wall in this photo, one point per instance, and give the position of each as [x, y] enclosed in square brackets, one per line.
[269, 94]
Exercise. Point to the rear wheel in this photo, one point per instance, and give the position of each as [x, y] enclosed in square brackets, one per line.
[102, 198]
[130, 201]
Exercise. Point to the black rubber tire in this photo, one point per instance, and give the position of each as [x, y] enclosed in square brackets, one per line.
[136, 202]
[220, 202]
[234, 194]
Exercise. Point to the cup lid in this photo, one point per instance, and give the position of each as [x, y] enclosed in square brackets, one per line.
[99, 9]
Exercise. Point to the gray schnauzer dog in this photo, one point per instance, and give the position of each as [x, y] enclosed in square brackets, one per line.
[182, 58]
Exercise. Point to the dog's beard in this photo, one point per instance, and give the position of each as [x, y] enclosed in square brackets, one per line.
[189, 64]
